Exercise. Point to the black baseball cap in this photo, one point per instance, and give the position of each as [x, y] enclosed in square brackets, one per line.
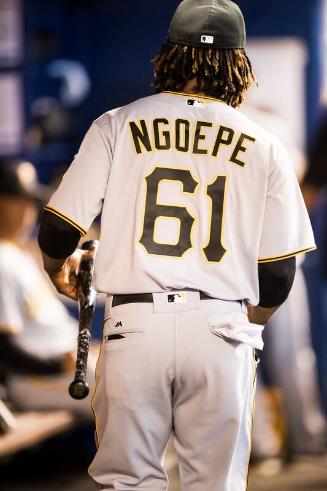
[208, 24]
[20, 180]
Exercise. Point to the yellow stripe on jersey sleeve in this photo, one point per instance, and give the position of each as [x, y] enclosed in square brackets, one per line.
[66, 218]
[286, 255]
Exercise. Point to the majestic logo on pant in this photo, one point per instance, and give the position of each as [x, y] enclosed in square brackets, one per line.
[119, 324]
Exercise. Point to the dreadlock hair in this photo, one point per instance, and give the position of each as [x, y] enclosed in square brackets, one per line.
[224, 74]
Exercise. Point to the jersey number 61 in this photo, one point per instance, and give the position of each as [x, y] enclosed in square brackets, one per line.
[216, 190]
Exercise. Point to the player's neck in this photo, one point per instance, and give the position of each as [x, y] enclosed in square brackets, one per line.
[190, 89]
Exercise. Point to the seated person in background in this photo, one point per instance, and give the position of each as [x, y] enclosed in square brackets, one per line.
[37, 334]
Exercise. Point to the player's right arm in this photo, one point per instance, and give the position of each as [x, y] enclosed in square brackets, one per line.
[63, 272]
[72, 209]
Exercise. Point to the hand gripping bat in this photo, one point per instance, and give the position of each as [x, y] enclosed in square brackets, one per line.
[79, 388]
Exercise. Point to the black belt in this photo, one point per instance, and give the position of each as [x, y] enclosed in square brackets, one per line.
[144, 298]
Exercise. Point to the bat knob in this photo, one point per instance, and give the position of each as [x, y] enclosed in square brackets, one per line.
[78, 389]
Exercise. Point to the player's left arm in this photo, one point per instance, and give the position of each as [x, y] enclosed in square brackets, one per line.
[276, 279]
[286, 232]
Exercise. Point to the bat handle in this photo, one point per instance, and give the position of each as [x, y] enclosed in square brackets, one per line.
[79, 388]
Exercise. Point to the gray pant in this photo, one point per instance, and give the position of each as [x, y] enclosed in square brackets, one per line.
[170, 374]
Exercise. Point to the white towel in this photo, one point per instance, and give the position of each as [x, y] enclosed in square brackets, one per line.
[237, 327]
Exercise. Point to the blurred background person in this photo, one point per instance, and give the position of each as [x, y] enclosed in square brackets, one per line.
[37, 334]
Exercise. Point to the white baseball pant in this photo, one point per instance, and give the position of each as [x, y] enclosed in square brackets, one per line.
[163, 371]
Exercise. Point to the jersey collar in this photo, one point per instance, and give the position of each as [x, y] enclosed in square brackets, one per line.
[194, 96]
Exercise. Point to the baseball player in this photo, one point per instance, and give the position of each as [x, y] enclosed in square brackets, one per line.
[202, 218]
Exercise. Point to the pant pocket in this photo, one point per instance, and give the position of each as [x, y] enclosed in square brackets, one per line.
[120, 337]
[123, 330]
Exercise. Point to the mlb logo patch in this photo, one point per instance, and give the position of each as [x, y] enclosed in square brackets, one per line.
[180, 297]
[195, 103]
[207, 39]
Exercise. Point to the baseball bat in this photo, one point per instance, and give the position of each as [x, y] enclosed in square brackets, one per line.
[79, 388]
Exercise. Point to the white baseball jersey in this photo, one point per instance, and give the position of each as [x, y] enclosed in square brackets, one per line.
[193, 195]
[29, 309]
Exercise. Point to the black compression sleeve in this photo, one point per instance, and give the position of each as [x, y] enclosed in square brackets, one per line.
[57, 238]
[275, 281]
[14, 359]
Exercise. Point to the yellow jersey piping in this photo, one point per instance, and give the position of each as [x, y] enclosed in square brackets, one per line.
[254, 379]
[286, 255]
[193, 96]
[60, 214]
[93, 396]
